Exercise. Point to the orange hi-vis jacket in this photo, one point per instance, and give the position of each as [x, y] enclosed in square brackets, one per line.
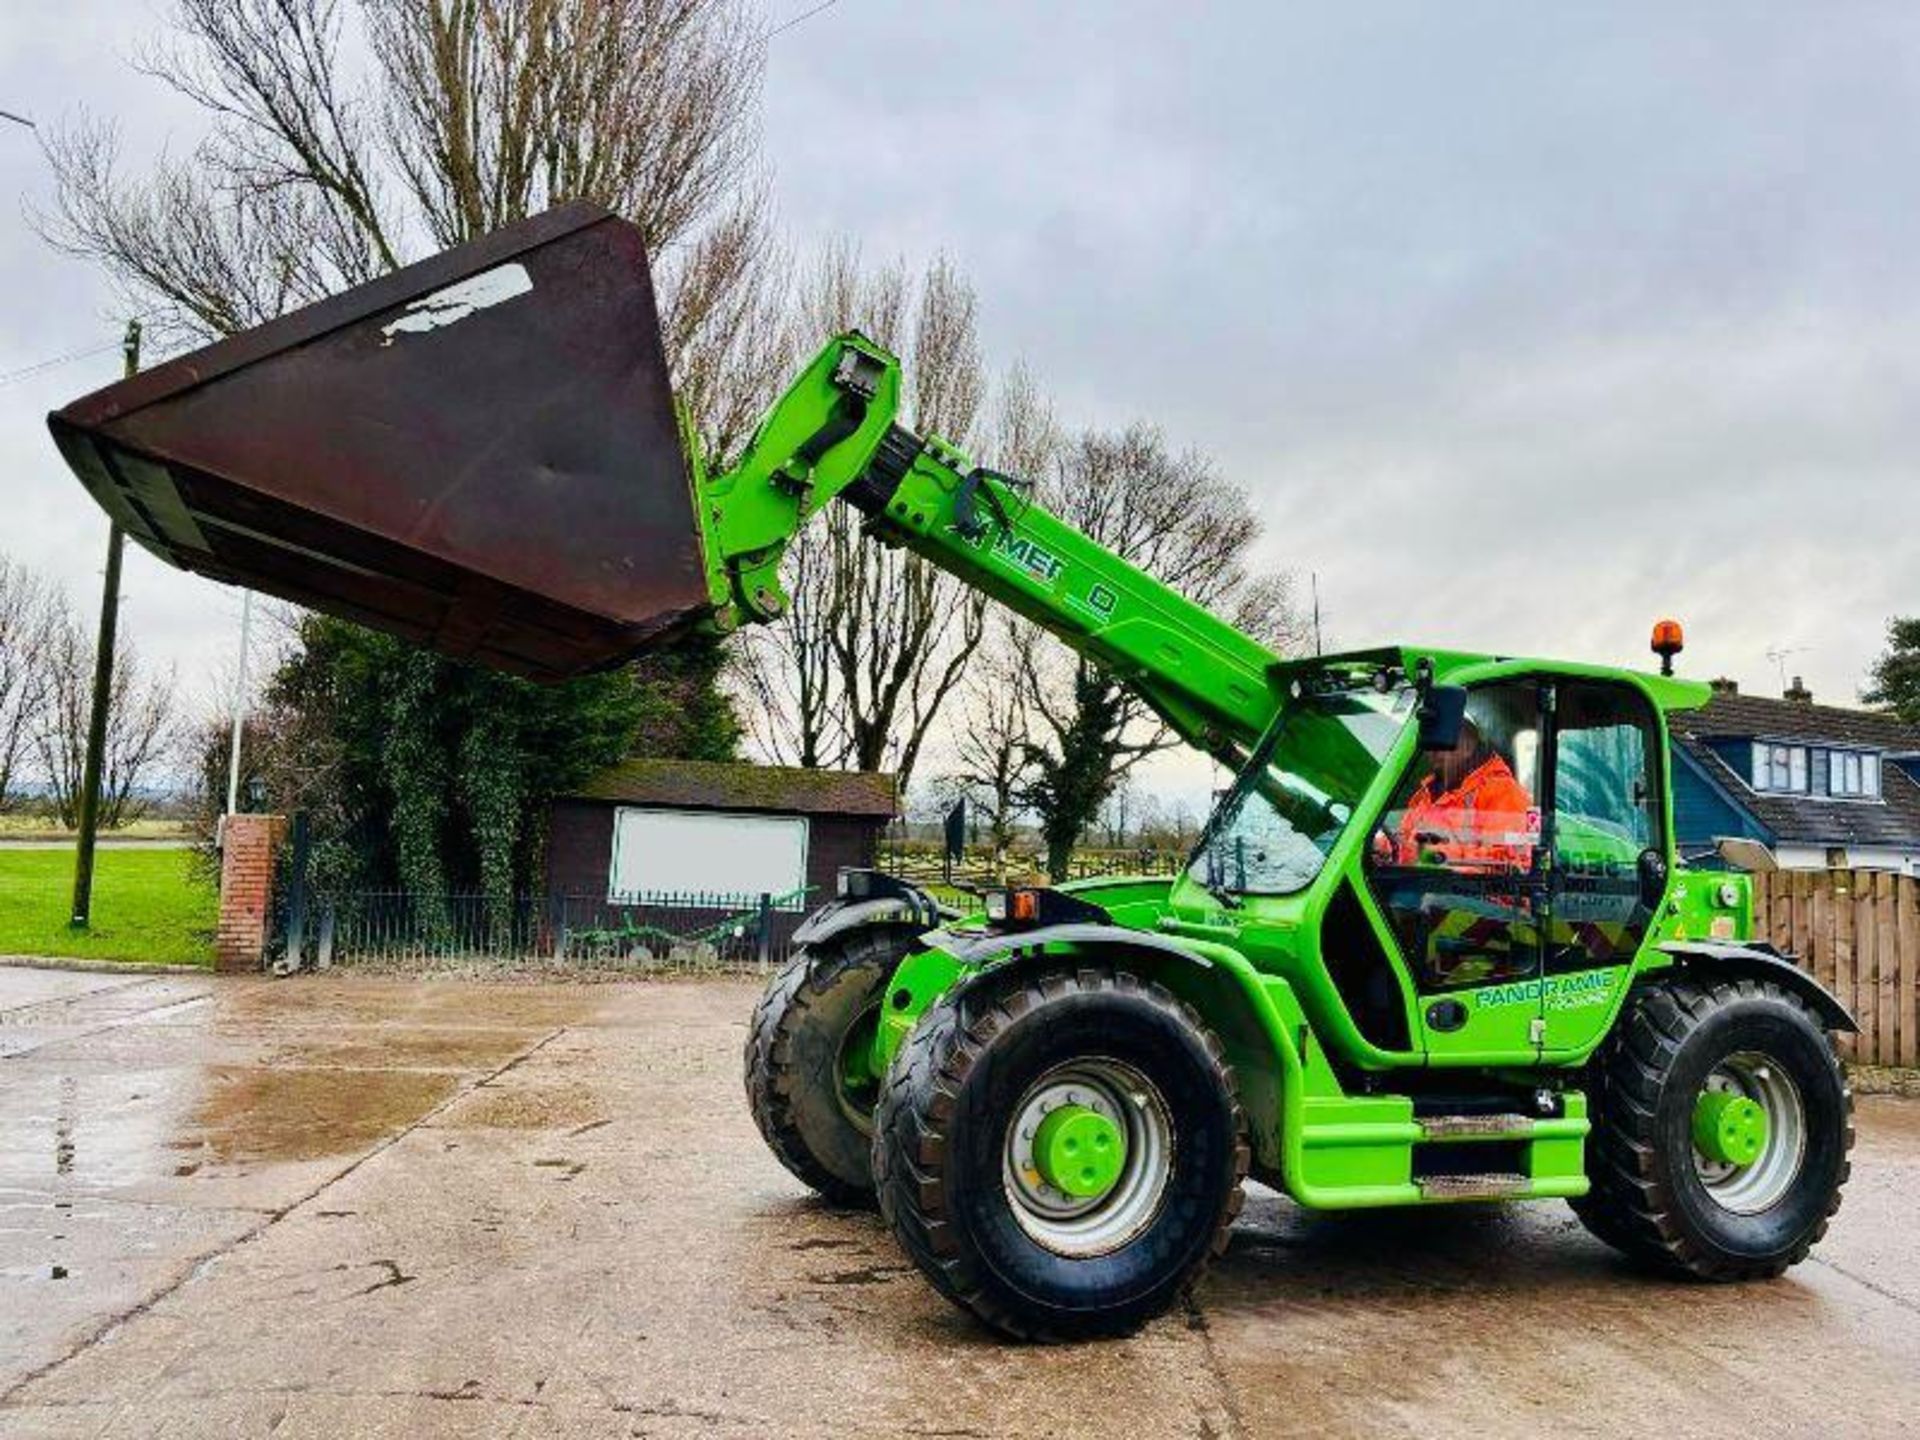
[1487, 822]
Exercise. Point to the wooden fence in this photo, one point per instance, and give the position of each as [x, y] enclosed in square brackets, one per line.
[1858, 931]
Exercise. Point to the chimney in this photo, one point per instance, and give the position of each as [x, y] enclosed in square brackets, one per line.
[1724, 685]
[1798, 692]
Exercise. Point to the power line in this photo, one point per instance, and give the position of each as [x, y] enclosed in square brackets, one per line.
[27, 372]
[801, 18]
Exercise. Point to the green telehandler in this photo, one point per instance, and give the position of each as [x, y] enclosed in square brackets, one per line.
[1434, 944]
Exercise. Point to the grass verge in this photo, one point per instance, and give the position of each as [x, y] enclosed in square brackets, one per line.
[147, 905]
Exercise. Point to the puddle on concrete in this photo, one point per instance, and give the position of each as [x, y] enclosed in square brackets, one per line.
[370, 1000]
[566, 1107]
[397, 1049]
[254, 1113]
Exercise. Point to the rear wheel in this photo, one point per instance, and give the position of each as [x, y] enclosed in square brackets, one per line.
[1061, 1153]
[1721, 1130]
[808, 1081]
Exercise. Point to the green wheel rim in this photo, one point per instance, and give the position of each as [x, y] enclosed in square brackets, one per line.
[1749, 1133]
[1079, 1151]
[1729, 1129]
[856, 1087]
[1088, 1156]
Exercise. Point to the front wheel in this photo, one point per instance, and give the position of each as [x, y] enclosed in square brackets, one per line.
[809, 1084]
[1061, 1153]
[1721, 1130]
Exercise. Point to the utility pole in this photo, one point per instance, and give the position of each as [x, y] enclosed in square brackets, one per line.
[239, 707]
[102, 698]
[1315, 580]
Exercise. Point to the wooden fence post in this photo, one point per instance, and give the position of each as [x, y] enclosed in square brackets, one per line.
[1906, 899]
[1886, 987]
[1820, 925]
[1842, 881]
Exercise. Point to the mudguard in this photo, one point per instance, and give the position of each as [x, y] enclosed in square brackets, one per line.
[889, 902]
[1760, 961]
[982, 950]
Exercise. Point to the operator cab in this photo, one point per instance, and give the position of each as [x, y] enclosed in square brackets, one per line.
[1486, 879]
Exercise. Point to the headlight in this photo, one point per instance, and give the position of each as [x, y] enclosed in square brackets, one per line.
[1729, 894]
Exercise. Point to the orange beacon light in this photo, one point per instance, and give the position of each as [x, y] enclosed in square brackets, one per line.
[1668, 641]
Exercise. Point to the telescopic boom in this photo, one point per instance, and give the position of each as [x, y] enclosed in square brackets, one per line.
[834, 435]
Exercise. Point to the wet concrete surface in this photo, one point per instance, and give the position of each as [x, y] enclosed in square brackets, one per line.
[372, 1207]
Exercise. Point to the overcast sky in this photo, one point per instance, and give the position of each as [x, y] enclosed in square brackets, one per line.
[1524, 324]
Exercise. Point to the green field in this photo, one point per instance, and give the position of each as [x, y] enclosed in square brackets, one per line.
[147, 905]
[19, 826]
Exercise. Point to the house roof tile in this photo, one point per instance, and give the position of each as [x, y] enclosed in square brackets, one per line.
[1761, 716]
[1893, 820]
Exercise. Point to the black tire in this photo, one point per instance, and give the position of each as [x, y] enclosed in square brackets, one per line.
[940, 1155]
[1649, 1199]
[815, 1127]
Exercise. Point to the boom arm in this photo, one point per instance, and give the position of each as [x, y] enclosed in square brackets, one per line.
[833, 436]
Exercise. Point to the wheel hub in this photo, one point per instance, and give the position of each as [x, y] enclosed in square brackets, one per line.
[1729, 1129]
[1079, 1151]
[1749, 1133]
[1088, 1156]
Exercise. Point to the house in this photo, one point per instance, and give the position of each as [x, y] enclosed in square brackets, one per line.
[1820, 786]
[703, 835]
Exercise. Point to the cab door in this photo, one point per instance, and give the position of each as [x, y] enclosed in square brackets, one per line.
[1458, 870]
[1609, 846]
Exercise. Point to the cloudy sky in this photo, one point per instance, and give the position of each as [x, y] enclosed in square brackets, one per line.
[1525, 325]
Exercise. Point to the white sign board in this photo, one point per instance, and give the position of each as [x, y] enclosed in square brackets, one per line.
[711, 858]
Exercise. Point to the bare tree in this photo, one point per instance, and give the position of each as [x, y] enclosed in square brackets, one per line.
[876, 639]
[141, 732]
[990, 738]
[1176, 517]
[1121, 811]
[317, 174]
[29, 610]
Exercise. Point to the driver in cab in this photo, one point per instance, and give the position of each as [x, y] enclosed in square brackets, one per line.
[1469, 812]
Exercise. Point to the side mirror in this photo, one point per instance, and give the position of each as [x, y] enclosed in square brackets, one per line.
[1443, 710]
[1743, 854]
[1653, 877]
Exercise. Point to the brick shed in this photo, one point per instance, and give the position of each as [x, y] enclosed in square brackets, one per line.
[680, 827]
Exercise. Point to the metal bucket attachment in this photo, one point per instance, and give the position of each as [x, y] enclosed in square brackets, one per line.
[478, 453]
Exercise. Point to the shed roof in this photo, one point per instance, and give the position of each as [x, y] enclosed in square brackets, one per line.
[715, 785]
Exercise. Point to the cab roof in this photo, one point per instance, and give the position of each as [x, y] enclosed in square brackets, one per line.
[1466, 666]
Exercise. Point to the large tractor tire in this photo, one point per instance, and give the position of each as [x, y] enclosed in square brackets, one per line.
[1061, 1152]
[1722, 1123]
[807, 1084]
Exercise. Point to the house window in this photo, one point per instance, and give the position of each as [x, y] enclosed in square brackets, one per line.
[1780, 767]
[1854, 775]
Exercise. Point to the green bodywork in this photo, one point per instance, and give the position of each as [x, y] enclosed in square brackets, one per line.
[1328, 1121]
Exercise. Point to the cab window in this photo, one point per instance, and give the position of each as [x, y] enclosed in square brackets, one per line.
[1606, 813]
[1455, 862]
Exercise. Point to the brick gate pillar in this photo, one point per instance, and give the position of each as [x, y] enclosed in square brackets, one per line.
[247, 852]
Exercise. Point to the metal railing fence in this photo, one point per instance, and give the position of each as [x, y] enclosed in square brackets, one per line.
[658, 932]
[978, 867]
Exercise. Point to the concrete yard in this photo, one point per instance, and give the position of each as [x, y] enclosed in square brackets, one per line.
[350, 1206]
